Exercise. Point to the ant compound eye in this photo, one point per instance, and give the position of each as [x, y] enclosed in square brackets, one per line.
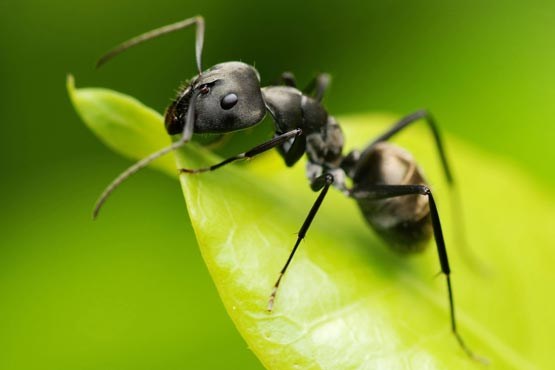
[229, 101]
[204, 89]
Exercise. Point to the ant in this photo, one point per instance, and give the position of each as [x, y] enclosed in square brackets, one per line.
[386, 181]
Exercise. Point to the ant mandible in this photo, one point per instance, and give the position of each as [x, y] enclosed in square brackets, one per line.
[386, 181]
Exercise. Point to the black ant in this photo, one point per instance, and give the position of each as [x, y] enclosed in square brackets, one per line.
[386, 181]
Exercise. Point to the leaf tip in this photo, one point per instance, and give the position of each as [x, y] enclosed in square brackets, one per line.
[70, 82]
[70, 86]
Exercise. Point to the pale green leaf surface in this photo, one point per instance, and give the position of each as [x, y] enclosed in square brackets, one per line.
[347, 302]
[129, 122]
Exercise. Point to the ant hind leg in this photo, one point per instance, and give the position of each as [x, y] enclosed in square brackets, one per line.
[377, 192]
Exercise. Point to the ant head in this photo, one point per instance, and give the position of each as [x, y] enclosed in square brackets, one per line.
[228, 99]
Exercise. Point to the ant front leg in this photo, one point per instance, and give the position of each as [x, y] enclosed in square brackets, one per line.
[377, 192]
[322, 183]
[272, 143]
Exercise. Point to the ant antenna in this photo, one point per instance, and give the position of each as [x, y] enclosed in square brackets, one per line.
[198, 21]
[185, 137]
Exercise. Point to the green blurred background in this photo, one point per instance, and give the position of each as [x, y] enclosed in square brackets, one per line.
[131, 291]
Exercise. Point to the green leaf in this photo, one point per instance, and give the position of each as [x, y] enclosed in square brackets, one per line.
[121, 122]
[347, 301]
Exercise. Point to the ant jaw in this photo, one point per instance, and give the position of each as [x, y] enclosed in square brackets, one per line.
[176, 113]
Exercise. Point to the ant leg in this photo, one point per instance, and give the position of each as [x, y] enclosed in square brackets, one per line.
[278, 140]
[406, 121]
[198, 21]
[458, 218]
[323, 183]
[288, 79]
[318, 86]
[292, 151]
[389, 191]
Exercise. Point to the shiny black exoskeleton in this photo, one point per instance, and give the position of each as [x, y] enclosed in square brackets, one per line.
[386, 182]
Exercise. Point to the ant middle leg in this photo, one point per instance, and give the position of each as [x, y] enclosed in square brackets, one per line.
[288, 79]
[322, 183]
[316, 87]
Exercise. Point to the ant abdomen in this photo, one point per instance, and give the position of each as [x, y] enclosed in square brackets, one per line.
[403, 222]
